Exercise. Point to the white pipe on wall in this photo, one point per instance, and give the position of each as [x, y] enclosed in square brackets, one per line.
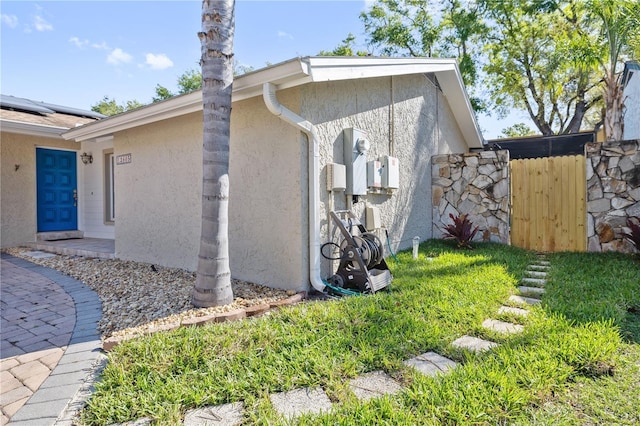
[277, 109]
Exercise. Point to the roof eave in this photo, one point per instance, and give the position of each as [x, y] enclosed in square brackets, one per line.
[31, 129]
[299, 71]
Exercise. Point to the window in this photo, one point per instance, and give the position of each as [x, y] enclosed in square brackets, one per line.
[109, 187]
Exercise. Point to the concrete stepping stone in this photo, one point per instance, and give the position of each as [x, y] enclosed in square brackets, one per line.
[431, 364]
[543, 263]
[300, 401]
[515, 311]
[218, 415]
[473, 344]
[532, 291]
[524, 300]
[539, 267]
[374, 385]
[536, 274]
[536, 282]
[502, 326]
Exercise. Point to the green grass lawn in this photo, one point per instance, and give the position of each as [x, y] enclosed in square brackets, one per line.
[577, 362]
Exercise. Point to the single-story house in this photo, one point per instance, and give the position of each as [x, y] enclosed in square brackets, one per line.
[293, 124]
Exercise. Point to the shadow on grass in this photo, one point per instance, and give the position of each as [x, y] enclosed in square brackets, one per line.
[586, 287]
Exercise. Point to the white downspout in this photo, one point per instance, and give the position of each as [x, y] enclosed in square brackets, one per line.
[277, 109]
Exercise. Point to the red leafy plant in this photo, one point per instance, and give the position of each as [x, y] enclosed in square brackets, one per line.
[461, 230]
[634, 235]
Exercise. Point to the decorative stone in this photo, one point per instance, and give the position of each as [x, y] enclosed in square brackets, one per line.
[482, 182]
[613, 185]
[605, 232]
[598, 205]
[436, 195]
[634, 210]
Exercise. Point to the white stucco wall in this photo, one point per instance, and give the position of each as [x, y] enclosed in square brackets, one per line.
[158, 193]
[632, 104]
[92, 192]
[18, 187]
[267, 208]
[422, 126]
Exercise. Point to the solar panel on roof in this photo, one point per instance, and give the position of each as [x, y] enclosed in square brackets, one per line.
[22, 104]
[11, 102]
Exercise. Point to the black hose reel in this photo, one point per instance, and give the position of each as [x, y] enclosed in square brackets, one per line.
[362, 265]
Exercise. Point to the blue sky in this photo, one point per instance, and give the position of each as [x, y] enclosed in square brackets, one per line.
[76, 52]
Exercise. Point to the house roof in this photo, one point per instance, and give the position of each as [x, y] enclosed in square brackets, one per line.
[299, 71]
[24, 116]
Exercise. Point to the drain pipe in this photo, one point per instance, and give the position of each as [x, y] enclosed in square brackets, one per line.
[277, 109]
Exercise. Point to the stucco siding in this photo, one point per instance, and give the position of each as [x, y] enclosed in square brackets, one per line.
[158, 193]
[92, 192]
[18, 184]
[267, 207]
[405, 117]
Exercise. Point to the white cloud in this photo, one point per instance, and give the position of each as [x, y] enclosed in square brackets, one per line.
[79, 43]
[10, 20]
[41, 24]
[101, 46]
[283, 34]
[159, 61]
[118, 56]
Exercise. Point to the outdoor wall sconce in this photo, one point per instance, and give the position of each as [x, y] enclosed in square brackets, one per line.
[86, 158]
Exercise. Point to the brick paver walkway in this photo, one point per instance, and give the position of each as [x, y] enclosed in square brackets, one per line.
[49, 341]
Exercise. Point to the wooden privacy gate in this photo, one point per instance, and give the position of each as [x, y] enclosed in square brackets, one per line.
[548, 207]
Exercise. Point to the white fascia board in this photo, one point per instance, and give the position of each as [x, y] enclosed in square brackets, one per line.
[32, 129]
[174, 107]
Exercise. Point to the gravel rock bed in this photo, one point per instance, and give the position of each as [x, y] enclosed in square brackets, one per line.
[137, 297]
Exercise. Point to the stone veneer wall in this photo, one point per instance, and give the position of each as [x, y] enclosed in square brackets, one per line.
[613, 193]
[476, 184]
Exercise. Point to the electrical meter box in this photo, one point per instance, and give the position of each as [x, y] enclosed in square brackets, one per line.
[390, 172]
[374, 174]
[356, 147]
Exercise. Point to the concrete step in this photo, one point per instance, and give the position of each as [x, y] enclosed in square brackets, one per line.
[502, 326]
[524, 300]
[531, 291]
[515, 311]
[542, 263]
[59, 235]
[473, 344]
[534, 282]
[431, 364]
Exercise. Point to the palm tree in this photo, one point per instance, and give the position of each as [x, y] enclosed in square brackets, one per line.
[213, 279]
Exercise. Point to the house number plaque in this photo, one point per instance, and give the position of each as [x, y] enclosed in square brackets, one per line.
[123, 159]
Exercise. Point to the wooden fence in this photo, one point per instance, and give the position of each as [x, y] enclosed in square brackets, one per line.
[548, 203]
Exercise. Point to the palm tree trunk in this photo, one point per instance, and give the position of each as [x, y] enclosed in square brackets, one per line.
[213, 278]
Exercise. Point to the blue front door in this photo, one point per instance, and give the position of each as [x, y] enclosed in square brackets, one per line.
[57, 190]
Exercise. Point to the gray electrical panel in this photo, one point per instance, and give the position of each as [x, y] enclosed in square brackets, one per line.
[356, 146]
